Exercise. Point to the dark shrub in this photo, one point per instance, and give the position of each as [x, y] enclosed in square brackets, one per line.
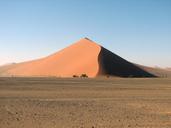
[75, 76]
[83, 76]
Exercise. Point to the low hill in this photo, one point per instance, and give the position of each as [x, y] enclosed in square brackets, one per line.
[159, 72]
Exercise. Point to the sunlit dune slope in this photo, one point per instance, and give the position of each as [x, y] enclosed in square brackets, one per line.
[79, 58]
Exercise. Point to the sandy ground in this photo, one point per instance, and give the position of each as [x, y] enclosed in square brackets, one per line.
[85, 103]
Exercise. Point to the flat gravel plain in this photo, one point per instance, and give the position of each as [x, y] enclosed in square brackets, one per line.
[85, 103]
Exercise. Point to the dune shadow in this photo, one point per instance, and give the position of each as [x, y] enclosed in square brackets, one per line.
[113, 65]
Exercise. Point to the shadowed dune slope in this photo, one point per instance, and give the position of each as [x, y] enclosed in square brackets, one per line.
[112, 64]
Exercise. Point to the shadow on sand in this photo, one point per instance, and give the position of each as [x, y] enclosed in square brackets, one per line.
[113, 65]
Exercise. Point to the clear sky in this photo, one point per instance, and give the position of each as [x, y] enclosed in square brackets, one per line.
[137, 30]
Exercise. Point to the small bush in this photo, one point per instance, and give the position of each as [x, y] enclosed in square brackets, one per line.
[84, 76]
[75, 76]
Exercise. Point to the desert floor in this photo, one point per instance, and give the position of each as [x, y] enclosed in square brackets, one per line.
[85, 103]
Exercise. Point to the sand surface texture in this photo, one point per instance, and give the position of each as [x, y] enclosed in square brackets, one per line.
[85, 103]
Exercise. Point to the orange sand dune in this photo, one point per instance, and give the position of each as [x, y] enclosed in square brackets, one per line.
[79, 58]
[83, 57]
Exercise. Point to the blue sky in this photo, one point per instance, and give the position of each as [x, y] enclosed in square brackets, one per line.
[137, 30]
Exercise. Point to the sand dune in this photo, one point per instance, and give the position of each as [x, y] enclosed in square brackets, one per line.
[79, 58]
[159, 72]
[83, 57]
[114, 65]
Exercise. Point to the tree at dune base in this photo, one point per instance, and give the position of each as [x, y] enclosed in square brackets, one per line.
[84, 76]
